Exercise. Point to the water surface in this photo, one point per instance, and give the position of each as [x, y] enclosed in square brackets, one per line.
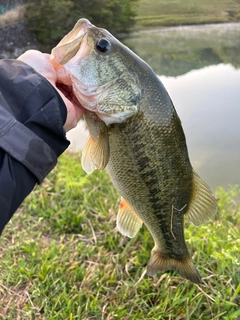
[200, 67]
[208, 103]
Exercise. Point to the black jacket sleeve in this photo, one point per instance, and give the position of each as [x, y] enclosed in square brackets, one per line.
[32, 115]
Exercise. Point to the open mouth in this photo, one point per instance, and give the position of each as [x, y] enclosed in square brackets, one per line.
[69, 94]
[70, 44]
[66, 49]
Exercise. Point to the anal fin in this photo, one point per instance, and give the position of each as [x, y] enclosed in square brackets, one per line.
[203, 204]
[185, 266]
[128, 221]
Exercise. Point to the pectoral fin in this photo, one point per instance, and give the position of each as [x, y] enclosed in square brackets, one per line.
[87, 163]
[203, 204]
[100, 151]
[95, 154]
[128, 221]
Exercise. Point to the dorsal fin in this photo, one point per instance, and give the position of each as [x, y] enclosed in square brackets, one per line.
[128, 222]
[203, 204]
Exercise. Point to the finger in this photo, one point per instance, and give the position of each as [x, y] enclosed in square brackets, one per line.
[40, 62]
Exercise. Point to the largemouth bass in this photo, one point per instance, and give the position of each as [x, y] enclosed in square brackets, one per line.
[136, 134]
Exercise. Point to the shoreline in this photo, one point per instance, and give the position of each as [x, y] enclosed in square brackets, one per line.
[175, 27]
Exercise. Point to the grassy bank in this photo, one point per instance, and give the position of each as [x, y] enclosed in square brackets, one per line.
[62, 258]
[155, 13]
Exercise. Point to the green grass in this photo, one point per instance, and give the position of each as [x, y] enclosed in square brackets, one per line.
[155, 13]
[62, 258]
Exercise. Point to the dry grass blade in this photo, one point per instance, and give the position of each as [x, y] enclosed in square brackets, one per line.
[12, 16]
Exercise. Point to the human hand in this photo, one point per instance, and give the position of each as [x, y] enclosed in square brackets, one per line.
[40, 62]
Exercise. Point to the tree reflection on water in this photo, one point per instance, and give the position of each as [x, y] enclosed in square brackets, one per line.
[175, 51]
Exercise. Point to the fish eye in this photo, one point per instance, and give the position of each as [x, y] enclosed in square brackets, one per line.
[103, 45]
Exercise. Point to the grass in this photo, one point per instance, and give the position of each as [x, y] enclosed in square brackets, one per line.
[62, 258]
[157, 13]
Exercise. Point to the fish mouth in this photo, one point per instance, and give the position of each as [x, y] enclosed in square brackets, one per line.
[70, 44]
[65, 50]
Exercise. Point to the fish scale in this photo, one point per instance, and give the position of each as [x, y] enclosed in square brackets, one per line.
[136, 134]
[155, 192]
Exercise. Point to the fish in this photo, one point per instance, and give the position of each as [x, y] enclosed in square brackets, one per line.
[135, 134]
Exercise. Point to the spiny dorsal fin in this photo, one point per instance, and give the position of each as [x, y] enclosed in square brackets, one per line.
[86, 161]
[203, 204]
[128, 221]
[160, 263]
[100, 150]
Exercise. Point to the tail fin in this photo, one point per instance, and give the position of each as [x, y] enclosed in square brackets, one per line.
[185, 267]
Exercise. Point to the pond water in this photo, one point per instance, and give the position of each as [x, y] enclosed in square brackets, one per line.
[200, 68]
